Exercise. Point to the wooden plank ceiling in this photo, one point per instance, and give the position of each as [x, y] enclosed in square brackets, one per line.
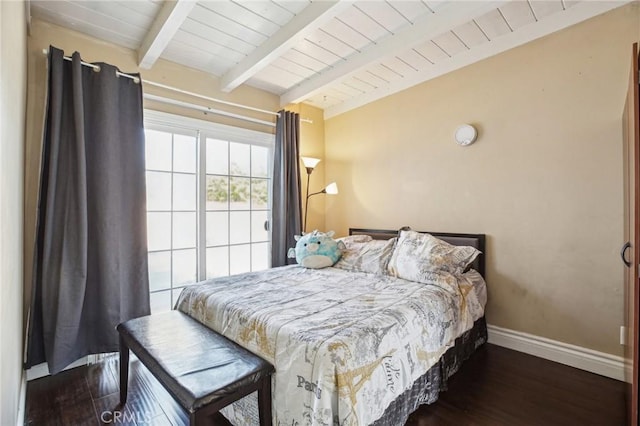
[335, 55]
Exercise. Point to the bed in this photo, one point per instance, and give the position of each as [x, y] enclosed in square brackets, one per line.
[352, 344]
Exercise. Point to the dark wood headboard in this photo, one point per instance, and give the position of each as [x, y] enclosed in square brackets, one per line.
[474, 240]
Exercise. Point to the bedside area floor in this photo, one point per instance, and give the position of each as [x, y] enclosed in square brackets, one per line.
[496, 386]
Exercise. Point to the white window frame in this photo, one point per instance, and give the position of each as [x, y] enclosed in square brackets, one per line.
[162, 121]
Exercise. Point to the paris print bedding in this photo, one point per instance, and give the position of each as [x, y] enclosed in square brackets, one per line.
[344, 344]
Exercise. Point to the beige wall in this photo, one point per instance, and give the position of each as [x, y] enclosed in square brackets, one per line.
[13, 69]
[543, 181]
[44, 34]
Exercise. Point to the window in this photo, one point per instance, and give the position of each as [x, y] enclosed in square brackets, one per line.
[208, 203]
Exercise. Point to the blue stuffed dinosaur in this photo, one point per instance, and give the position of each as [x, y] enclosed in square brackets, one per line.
[316, 250]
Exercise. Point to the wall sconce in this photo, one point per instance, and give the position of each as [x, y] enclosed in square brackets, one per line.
[465, 135]
[310, 163]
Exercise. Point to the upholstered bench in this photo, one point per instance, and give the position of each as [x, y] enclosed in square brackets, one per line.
[201, 369]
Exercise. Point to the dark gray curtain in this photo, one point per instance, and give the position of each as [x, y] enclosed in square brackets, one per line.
[90, 267]
[287, 210]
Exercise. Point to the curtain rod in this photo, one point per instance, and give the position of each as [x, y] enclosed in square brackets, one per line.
[205, 109]
[190, 105]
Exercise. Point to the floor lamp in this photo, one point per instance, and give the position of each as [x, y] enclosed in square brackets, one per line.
[332, 189]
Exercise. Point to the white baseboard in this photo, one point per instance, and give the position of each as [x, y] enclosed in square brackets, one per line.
[575, 356]
[42, 370]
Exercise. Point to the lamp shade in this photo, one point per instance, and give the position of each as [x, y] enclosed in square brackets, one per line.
[310, 162]
[332, 188]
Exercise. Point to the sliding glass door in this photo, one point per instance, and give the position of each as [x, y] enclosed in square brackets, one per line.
[208, 203]
[237, 207]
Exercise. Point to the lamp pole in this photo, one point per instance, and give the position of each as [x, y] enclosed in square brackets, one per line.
[306, 203]
[310, 164]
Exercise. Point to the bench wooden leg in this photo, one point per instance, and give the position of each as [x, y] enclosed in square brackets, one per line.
[124, 371]
[264, 401]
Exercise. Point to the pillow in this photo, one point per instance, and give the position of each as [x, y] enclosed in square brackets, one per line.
[355, 239]
[475, 280]
[316, 250]
[417, 255]
[371, 256]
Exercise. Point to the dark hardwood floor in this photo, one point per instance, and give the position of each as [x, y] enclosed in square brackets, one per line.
[496, 386]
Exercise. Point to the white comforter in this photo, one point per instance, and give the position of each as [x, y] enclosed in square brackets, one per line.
[344, 344]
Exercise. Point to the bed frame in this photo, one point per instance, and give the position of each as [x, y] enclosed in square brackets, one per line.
[474, 240]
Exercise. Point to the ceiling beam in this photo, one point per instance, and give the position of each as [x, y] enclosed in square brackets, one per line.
[311, 18]
[164, 27]
[576, 13]
[449, 15]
